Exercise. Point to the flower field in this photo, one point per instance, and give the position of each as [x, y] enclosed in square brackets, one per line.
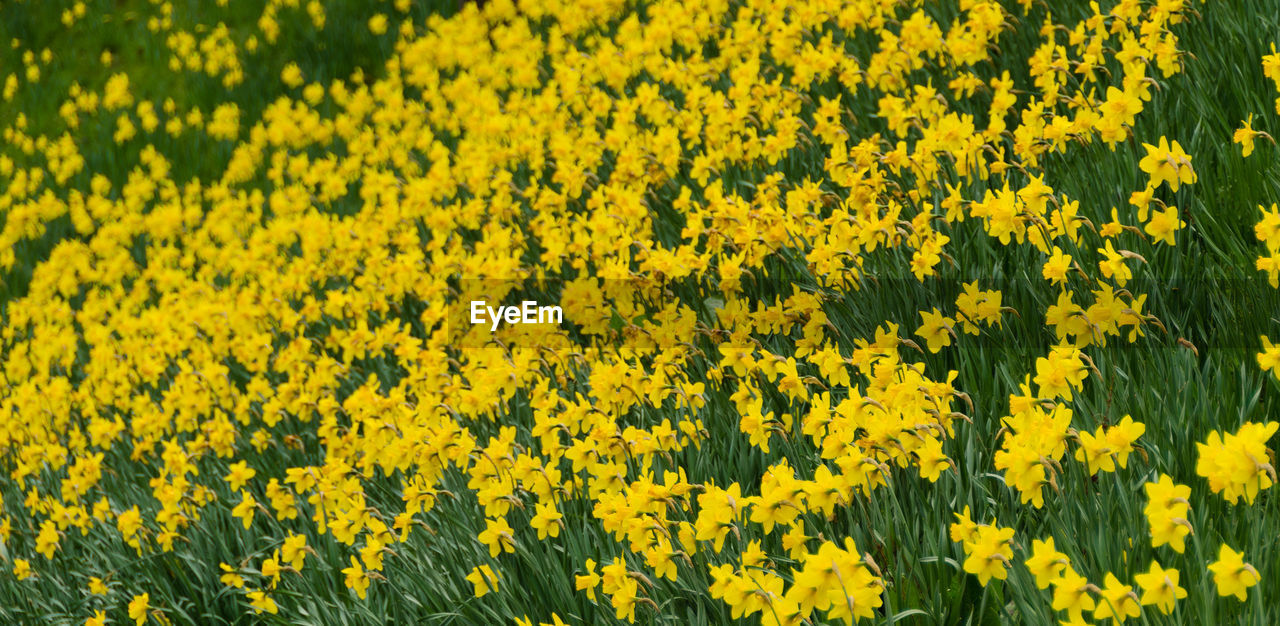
[873, 311]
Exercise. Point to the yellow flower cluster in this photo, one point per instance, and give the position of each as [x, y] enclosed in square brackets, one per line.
[1267, 230]
[1167, 512]
[1238, 464]
[214, 54]
[1033, 444]
[988, 548]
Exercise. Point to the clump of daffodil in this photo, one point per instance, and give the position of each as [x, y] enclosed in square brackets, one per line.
[1238, 464]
